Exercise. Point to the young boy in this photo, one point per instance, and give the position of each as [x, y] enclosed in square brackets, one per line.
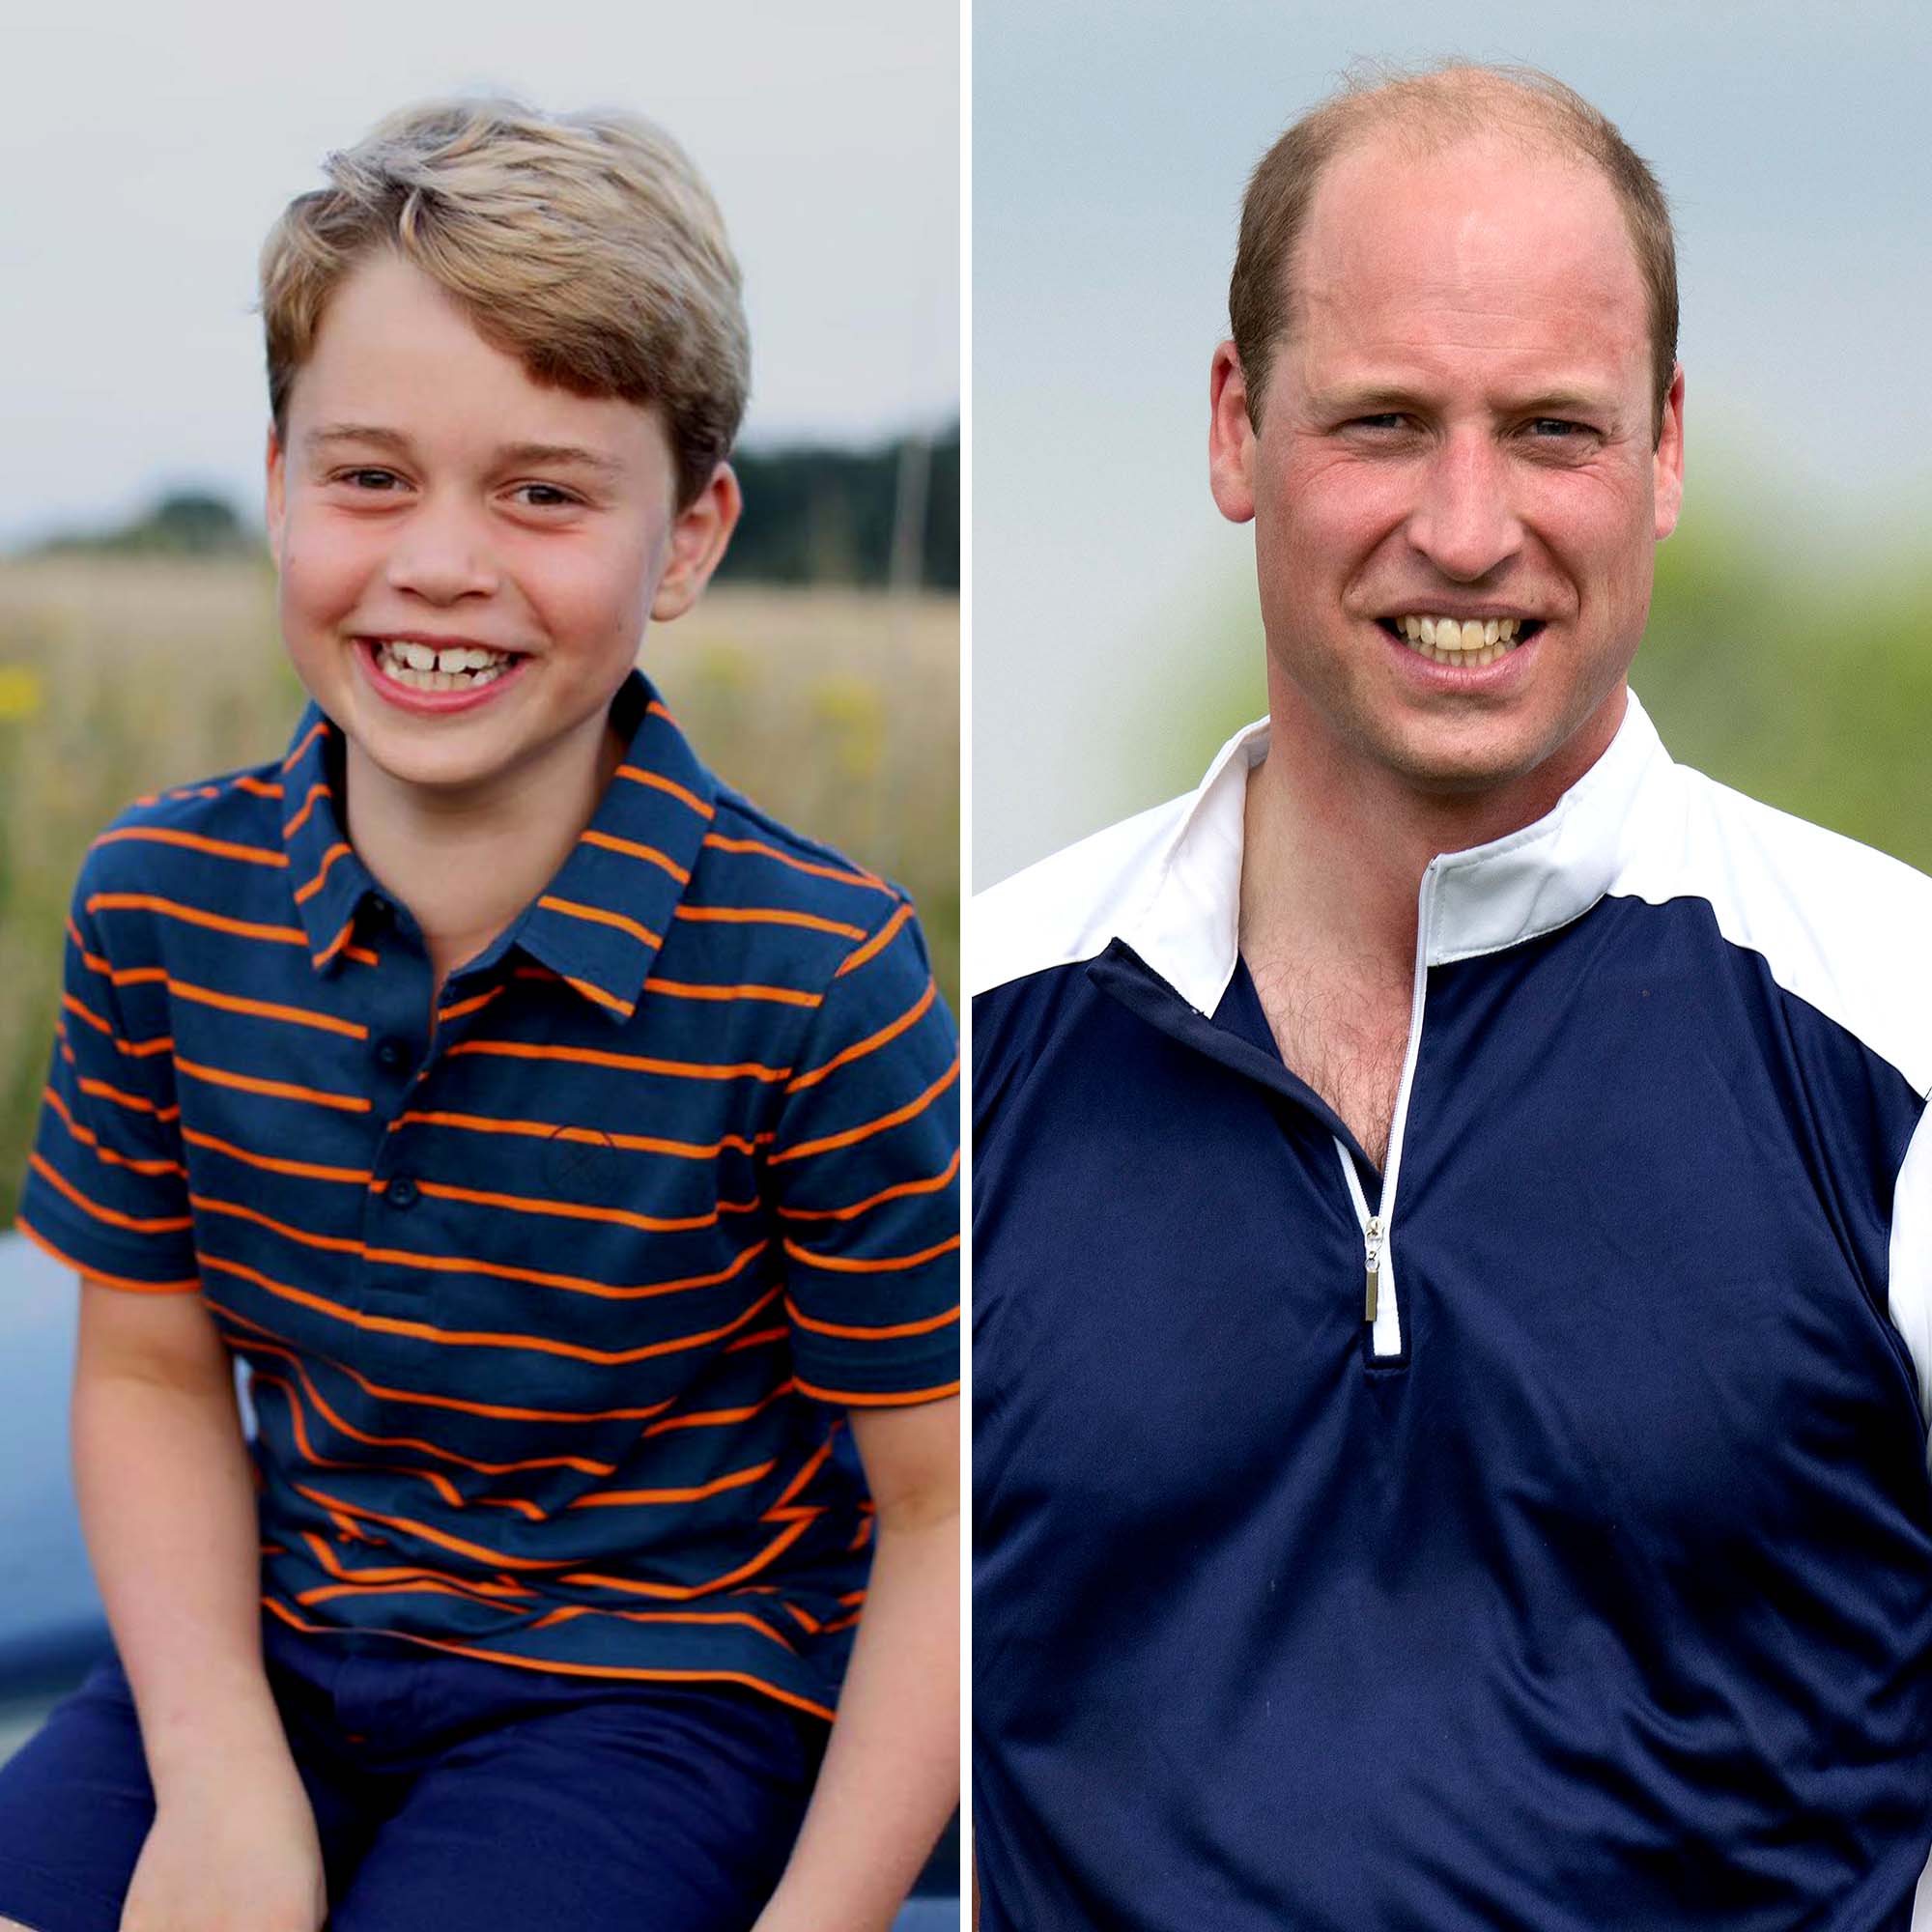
[568, 1149]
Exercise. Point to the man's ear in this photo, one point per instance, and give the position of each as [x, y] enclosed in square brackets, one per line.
[274, 494]
[699, 536]
[1231, 438]
[1667, 464]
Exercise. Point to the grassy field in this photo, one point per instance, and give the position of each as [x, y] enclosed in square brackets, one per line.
[836, 710]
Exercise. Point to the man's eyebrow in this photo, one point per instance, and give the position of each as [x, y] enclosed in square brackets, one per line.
[375, 434]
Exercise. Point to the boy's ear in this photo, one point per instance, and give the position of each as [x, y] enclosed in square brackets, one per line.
[699, 536]
[274, 498]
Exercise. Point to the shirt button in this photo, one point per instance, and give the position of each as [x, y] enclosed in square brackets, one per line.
[379, 908]
[401, 1192]
[392, 1053]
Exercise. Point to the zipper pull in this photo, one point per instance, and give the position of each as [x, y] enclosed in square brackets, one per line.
[1372, 1244]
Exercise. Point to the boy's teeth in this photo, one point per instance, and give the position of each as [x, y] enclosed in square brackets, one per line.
[424, 668]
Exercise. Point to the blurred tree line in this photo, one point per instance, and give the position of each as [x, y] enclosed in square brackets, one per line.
[868, 517]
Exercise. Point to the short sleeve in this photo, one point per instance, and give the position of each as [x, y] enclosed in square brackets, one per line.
[107, 1187]
[864, 1172]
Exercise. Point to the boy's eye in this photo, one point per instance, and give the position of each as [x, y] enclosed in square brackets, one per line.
[545, 495]
[366, 480]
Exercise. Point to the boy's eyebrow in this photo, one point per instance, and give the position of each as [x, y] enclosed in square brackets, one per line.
[509, 452]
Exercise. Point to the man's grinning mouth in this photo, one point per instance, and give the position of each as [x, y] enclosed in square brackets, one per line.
[1468, 642]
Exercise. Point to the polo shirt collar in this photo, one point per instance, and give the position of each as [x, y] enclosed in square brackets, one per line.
[598, 923]
[1491, 897]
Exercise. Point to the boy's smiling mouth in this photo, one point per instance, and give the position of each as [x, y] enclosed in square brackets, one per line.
[434, 671]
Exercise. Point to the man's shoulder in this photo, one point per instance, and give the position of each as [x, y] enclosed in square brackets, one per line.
[1068, 906]
[1840, 924]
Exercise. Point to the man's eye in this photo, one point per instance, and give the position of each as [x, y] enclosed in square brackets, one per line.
[1551, 429]
[1389, 420]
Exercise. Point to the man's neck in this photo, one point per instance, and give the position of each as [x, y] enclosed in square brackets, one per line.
[466, 864]
[1335, 846]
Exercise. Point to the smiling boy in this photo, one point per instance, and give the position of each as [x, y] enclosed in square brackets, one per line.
[567, 1149]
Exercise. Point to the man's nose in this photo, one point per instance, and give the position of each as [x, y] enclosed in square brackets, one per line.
[443, 551]
[1466, 522]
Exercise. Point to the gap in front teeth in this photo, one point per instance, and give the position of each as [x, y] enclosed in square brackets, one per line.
[420, 667]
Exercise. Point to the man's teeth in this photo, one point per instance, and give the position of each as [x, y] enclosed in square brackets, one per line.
[1461, 640]
[424, 668]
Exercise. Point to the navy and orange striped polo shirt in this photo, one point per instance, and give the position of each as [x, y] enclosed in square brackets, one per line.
[552, 1299]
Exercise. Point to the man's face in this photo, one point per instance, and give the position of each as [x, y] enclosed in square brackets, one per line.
[432, 497]
[1457, 425]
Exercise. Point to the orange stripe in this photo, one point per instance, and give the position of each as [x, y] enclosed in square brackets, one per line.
[273, 1164]
[320, 789]
[894, 1119]
[278, 1090]
[738, 1479]
[88, 1139]
[663, 784]
[464, 1006]
[627, 1673]
[174, 1224]
[924, 1328]
[41, 1242]
[872, 1042]
[550, 1130]
[440, 1483]
[308, 739]
[281, 935]
[713, 1418]
[629, 1062]
[267, 1009]
[398, 1573]
[757, 845]
[845, 1264]
[100, 1090]
[583, 1465]
[219, 848]
[574, 1283]
[457, 1338]
[684, 989]
[759, 1336]
[878, 942]
[361, 955]
[336, 944]
[598, 916]
[939, 1180]
[92, 1018]
[571, 1611]
[684, 1592]
[261, 788]
[303, 893]
[769, 916]
[333, 1244]
[865, 1399]
[571, 1210]
[592, 991]
[633, 850]
[494, 1411]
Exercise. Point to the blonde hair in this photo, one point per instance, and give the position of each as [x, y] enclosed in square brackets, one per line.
[584, 244]
[1431, 108]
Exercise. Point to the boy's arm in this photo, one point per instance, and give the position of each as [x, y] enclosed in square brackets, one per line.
[167, 1502]
[891, 1776]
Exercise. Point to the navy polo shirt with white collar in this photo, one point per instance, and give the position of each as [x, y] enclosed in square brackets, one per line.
[553, 1299]
[1535, 1533]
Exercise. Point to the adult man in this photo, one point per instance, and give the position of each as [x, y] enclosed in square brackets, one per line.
[1454, 1241]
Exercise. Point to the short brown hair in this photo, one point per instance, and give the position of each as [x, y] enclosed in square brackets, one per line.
[1428, 109]
[585, 245]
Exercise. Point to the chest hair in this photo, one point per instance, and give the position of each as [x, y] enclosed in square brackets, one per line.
[1344, 1032]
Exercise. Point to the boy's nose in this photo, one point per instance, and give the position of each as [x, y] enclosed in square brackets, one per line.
[442, 552]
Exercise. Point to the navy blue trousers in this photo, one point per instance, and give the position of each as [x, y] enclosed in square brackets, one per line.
[448, 1792]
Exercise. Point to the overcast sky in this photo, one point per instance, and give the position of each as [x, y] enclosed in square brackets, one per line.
[1111, 140]
[146, 149]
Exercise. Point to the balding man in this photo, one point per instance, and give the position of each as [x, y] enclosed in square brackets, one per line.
[1453, 1239]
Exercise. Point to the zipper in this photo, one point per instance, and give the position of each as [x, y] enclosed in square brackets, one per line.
[1379, 1307]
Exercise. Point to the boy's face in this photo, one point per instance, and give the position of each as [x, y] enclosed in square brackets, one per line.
[431, 496]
